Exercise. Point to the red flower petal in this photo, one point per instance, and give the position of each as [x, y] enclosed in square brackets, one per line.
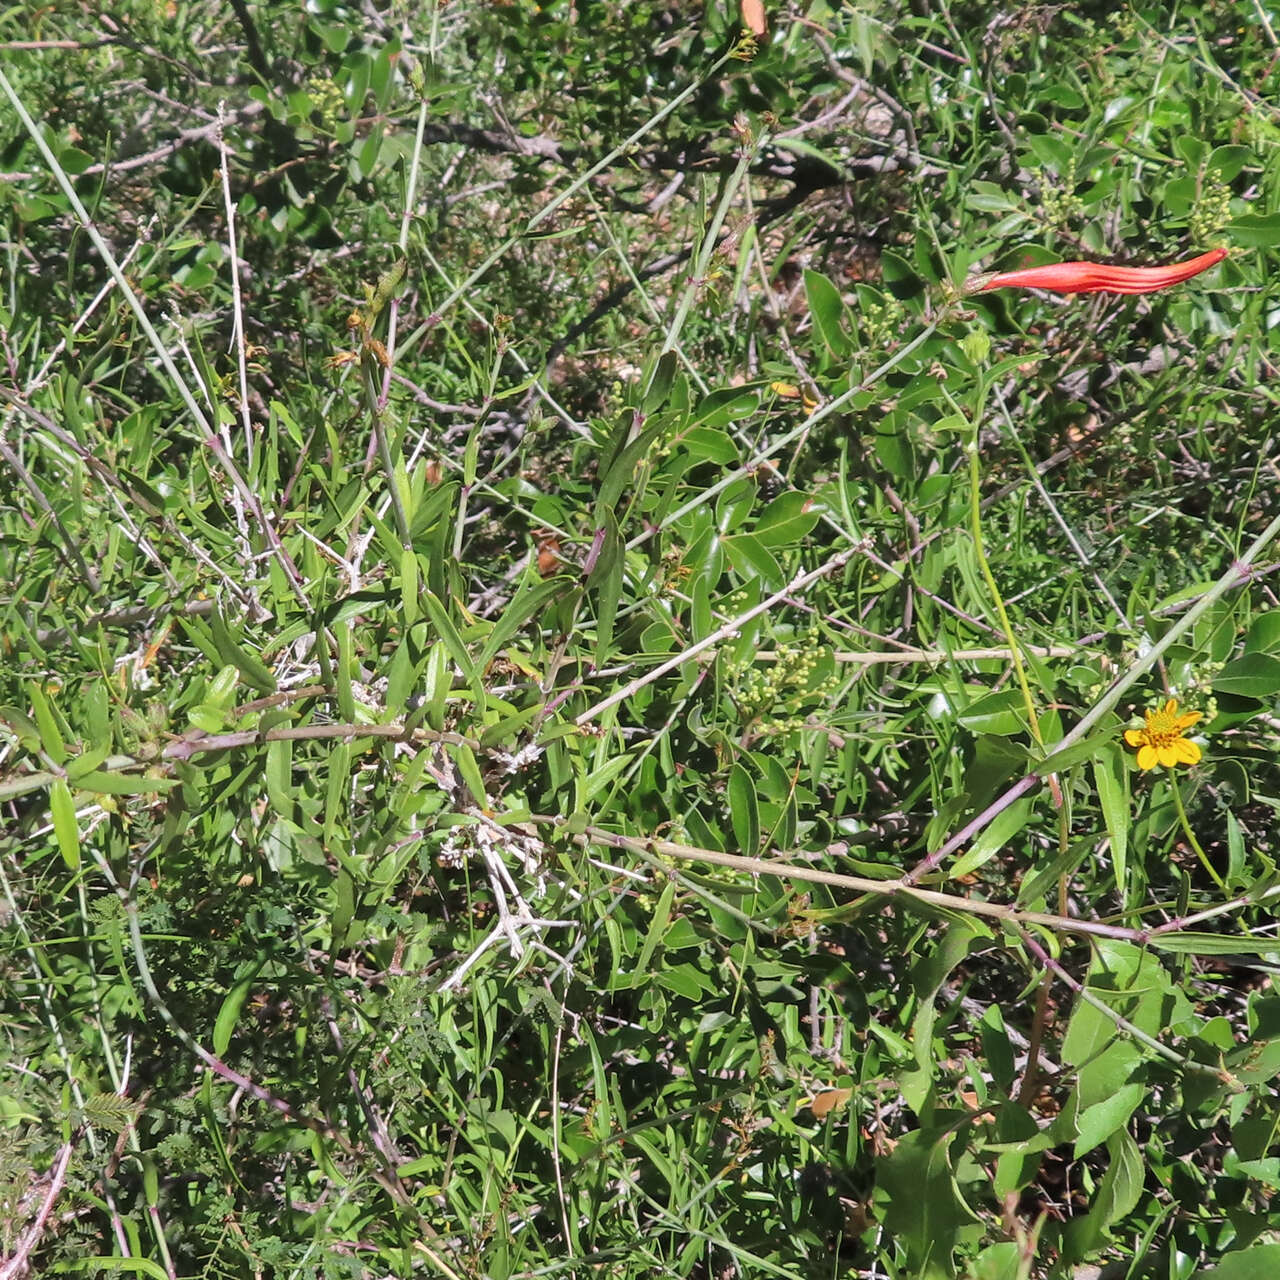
[1099, 277]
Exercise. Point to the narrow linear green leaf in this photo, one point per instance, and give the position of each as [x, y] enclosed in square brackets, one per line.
[657, 927]
[50, 734]
[744, 810]
[1112, 780]
[525, 605]
[256, 673]
[449, 634]
[229, 1011]
[122, 784]
[66, 829]
[139, 1266]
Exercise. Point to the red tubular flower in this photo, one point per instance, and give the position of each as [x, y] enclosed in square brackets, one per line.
[1098, 277]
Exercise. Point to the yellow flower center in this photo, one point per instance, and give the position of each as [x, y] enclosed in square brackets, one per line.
[1163, 727]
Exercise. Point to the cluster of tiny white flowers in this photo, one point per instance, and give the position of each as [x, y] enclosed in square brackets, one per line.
[454, 849]
[513, 763]
[465, 842]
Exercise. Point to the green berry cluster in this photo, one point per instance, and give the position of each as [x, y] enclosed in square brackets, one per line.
[1059, 204]
[776, 694]
[326, 100]
[1124, 26]
[881, 322]
[1212, 209]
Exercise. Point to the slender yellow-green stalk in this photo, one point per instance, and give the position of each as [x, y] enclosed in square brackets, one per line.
[1191, 836]
[975, 529]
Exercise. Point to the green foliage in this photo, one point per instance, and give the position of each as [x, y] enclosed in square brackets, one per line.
[565, 673]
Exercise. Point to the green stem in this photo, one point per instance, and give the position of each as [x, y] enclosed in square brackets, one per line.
[710, 243]
[1191, 836]
[1015, 652]
[385, 455]
[975, 530]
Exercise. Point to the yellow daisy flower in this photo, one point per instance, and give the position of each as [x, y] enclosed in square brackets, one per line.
[1161, 740]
